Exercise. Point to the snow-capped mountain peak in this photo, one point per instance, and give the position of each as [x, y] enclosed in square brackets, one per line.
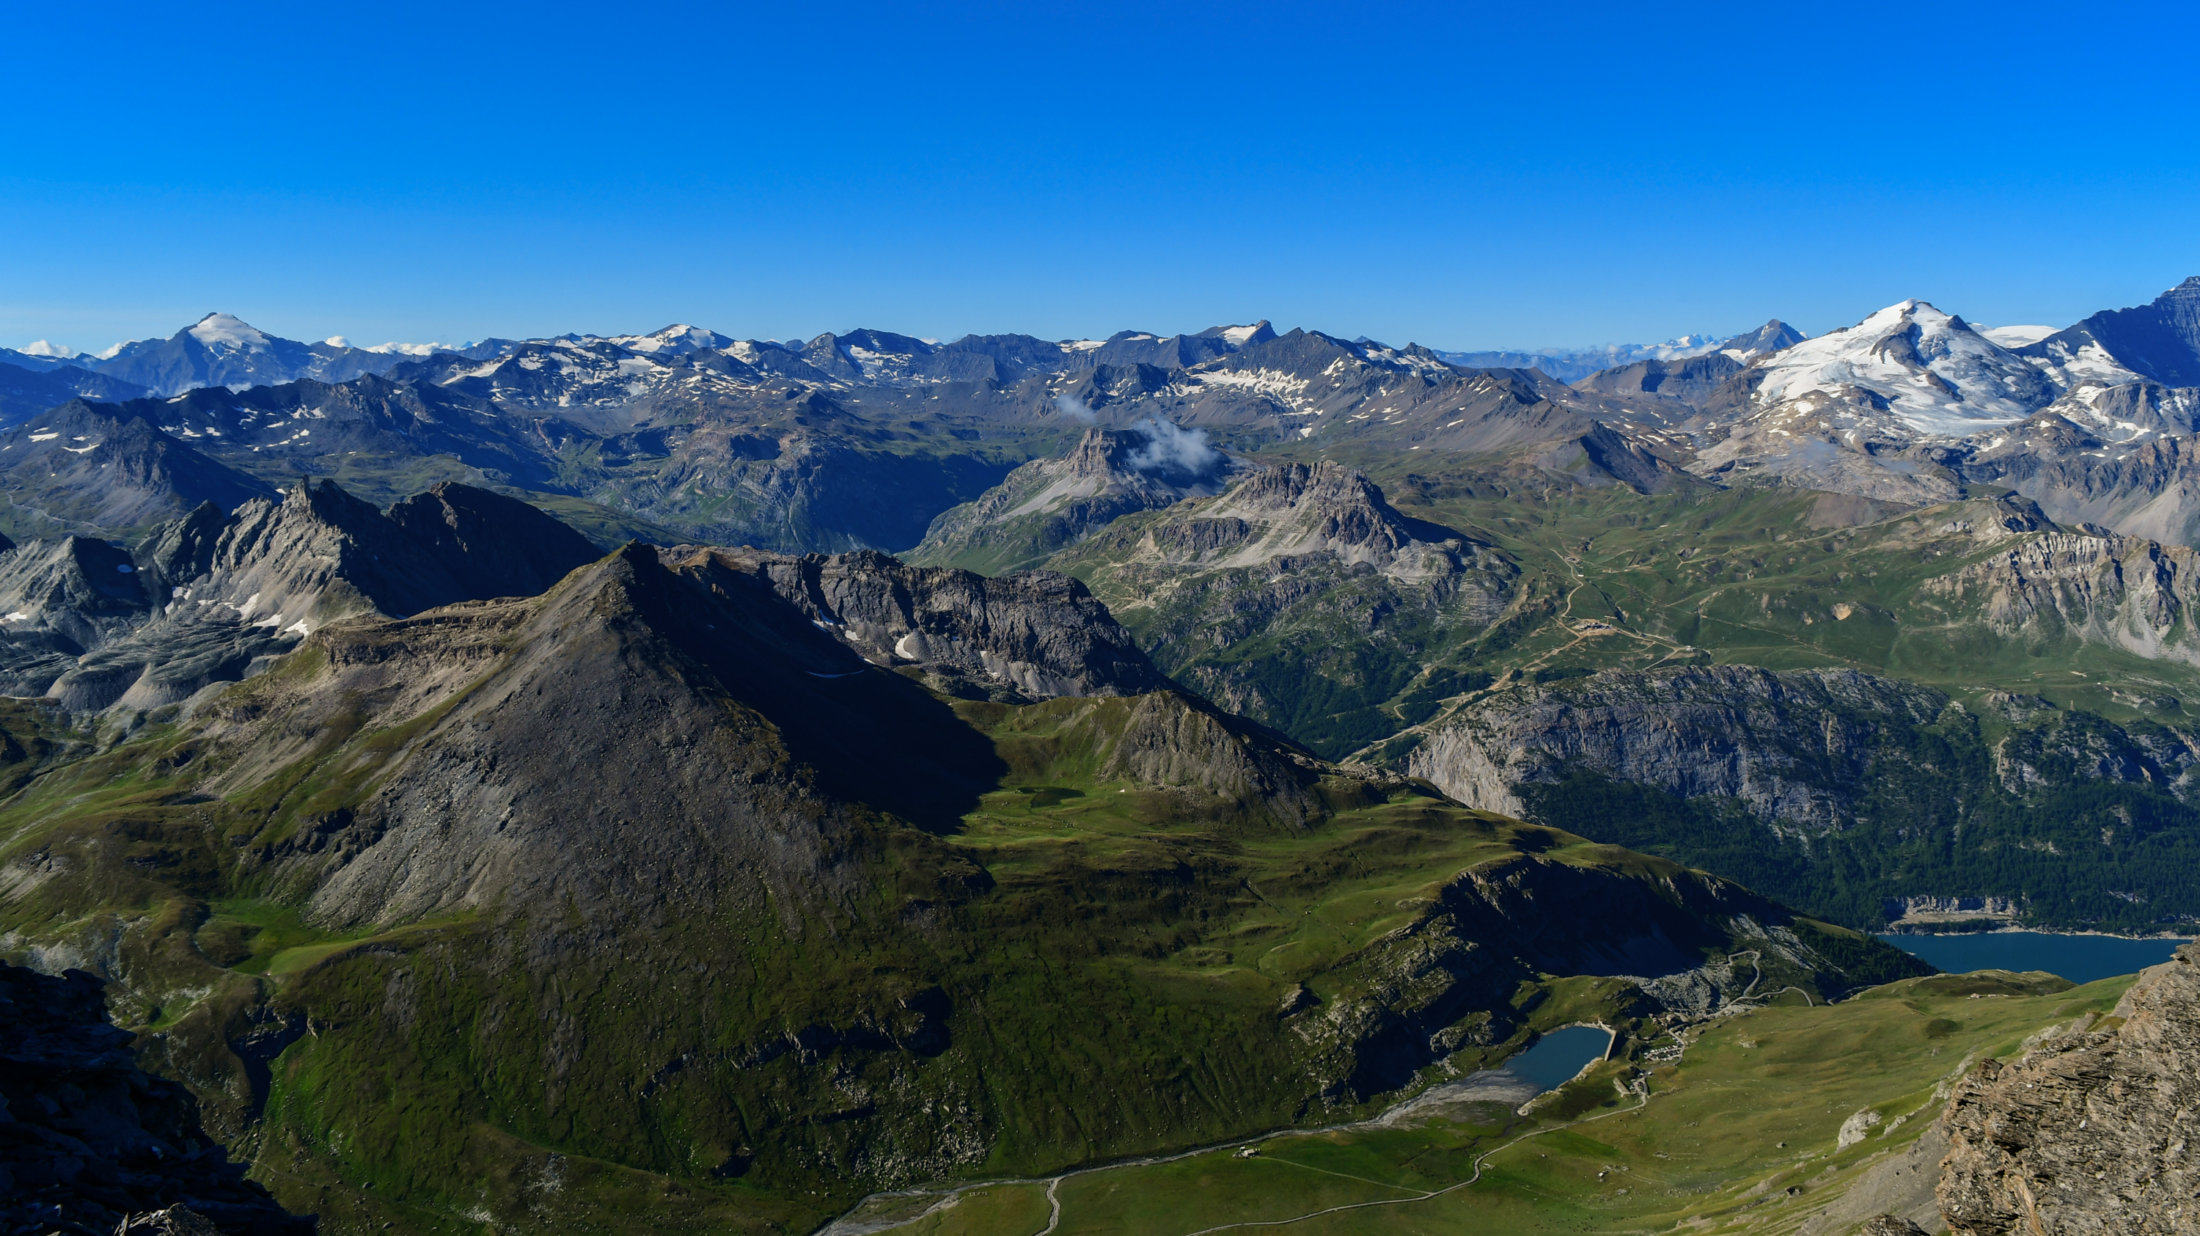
[228, 333]
[1932, 372]
[677, 339]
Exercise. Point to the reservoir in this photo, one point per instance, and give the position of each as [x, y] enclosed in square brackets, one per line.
[1551, 1063]
[2081, 959]
[1557, 1056]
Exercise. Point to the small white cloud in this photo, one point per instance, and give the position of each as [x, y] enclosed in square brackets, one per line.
[1073, 407]
[43, 347]
[337, 341]
[1171, 448]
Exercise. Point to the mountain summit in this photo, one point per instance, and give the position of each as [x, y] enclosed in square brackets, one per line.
[1929, 370]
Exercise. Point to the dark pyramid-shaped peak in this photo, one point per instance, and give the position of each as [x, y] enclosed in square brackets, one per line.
[2160, 340]
[321, 554]
[497, 546]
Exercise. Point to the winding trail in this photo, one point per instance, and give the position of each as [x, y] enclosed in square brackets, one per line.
[848, 1225]
[1481, 1161]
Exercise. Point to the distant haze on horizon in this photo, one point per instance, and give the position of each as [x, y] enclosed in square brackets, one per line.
[1466, 180]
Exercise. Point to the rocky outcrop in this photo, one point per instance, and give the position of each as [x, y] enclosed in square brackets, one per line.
[1050, 504]
[1791, 745]
[90, 1145]
[321, 554]
[2121, 591]
[1304, 512]
[1034, 634]
[2089, 1132]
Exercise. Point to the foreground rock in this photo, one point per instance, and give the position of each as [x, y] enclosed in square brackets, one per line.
[2090, 1131]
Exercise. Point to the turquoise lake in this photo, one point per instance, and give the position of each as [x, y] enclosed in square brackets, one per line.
[2081, 959]
[1557, 1056]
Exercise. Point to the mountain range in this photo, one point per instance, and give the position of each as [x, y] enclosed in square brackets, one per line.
[674, 782]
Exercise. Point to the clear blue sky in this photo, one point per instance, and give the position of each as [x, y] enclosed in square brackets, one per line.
[1458, 175]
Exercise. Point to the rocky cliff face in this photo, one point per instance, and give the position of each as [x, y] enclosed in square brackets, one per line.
[1782, 779]
[2089, 1131]
[1032, 635]
[1792, 746]
[2121, 591]
[90, 1145]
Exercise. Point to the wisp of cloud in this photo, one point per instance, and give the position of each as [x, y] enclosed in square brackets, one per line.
[1172, 448]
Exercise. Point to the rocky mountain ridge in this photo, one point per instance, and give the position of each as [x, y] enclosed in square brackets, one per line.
[209, 598]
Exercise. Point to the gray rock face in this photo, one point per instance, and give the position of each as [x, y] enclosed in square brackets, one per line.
[2126, 592]
[1735, 732]
[1034, 635]
[2089, 1132]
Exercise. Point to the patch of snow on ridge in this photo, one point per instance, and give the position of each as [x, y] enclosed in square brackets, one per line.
[226, 331]
[1237, 335]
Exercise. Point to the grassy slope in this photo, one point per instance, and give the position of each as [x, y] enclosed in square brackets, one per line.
[1119, 978]
[1737, 1136]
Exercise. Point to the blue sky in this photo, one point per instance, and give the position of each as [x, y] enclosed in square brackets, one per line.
[1457, 175]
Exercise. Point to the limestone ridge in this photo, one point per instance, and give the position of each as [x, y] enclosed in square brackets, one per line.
[1027, 636]
[1304, 511]
[91, 1145]
[1050, 504]
[2088, 1132]
[206, 598]
[1311, 565]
